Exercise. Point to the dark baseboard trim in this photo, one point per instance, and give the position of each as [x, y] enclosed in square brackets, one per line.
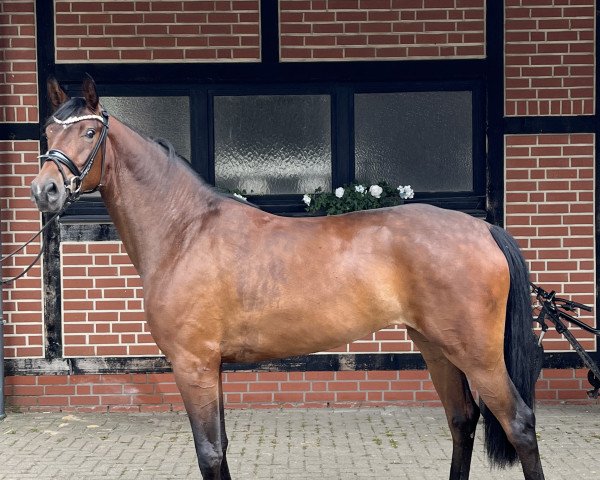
[308, 363]
[19, 131]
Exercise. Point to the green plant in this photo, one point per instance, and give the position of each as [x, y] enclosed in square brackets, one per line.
[355, 196]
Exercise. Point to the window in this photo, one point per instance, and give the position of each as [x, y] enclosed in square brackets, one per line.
[272, 144]
[278, 142]
[158, 117]
[424, 139]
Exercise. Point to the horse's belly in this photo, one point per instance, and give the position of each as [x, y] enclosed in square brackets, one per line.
[285, 336]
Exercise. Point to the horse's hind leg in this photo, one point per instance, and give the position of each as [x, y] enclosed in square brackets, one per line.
[516, 418]
[490, 378]
[198, 381]
[461, 410]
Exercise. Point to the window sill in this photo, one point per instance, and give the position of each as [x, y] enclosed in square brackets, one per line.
[93, 211]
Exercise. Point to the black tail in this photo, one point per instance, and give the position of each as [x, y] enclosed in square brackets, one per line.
[521, 353]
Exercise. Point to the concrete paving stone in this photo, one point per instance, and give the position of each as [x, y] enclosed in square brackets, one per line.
[408, 443]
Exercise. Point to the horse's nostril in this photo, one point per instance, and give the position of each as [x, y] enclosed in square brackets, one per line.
[51, 189]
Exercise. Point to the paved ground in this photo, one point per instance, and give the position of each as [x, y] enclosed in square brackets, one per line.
[389, 443]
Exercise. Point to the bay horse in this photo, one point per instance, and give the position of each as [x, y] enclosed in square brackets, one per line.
[225, 282]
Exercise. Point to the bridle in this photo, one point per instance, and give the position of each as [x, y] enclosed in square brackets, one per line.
[72, 185]
[60, 159]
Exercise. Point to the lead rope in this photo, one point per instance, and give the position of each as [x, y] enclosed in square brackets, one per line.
[37, 257]
[58, 158]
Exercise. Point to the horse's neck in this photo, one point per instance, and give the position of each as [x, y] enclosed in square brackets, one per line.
[151, 199]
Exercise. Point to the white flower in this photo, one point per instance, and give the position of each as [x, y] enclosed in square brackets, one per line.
[241, 197]
[375, 190]
[339, 192]
[359, 188]
[406, 191]
[306, 199]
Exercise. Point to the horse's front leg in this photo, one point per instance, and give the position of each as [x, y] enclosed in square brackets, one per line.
[225, 475]
[197, 378]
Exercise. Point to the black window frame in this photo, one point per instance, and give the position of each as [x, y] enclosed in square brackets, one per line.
[92, 210]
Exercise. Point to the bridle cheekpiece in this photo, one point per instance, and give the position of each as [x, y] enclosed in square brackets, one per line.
[59, 158]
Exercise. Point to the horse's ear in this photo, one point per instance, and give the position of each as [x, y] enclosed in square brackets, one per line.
[89, 93]
[56, 94]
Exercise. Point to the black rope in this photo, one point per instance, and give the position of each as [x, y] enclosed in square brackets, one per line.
[22, 274]
[37, 257]
[58, 158]
[10, 255]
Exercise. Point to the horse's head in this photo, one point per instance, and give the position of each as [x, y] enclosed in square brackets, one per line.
[76, 135]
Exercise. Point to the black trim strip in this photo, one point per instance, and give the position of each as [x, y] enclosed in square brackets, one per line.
[308, 363]
[494, 37]
[199, 133]
[51, 270]
[541, 125]
[19, 131]
[52, 292]
[82, 232]
[342, 136]
[44, 18]
[269, 31]
[248, 73]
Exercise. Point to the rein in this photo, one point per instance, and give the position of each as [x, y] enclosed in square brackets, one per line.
[73, 185]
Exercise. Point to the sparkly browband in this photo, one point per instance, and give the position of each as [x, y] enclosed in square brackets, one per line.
[71, 120]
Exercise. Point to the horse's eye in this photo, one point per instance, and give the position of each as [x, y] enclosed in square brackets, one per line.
[90, 133]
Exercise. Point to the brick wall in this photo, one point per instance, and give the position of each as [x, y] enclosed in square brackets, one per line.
[158, 392]
[549, 57]
[18, 68]
[22, 300]
[157, 31]
[102, 302]
[381, 29]
[550, 210]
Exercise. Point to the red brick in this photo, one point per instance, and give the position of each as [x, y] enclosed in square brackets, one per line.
[296, 386]
[319, 396]
[323, 376]
[351, 396]
[342, 386]
[257, 397]
[288, 397]
[263, 387]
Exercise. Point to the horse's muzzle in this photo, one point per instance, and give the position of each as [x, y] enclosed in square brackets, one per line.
[49, 195]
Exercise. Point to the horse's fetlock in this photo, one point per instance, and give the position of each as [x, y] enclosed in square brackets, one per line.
[465, 423]
[209, 457]
[523, 431]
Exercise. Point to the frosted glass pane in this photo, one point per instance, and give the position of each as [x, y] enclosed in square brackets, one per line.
[273, 144]
[155, 117]
[424, 139]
